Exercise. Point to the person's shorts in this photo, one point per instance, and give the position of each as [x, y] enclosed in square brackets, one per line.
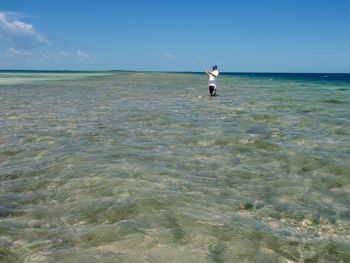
[212, 90]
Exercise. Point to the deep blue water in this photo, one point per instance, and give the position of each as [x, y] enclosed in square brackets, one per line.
[323, 77]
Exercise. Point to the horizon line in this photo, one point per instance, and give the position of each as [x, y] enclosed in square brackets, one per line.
[157, 71]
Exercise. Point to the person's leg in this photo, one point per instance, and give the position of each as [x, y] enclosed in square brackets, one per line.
[212, 90]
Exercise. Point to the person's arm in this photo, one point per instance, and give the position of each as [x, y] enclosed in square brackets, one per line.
[210, 73]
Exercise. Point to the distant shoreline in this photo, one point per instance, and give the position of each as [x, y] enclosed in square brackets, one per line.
[340, 78]
[162, 71]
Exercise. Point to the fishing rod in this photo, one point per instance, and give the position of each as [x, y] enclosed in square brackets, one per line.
[194, 63]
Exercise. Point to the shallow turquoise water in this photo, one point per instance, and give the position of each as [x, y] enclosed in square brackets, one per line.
[146, 167]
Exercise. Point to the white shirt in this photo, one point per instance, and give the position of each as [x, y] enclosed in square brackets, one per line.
[212, 79]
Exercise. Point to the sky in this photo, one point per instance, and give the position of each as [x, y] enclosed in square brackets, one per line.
[182, 35]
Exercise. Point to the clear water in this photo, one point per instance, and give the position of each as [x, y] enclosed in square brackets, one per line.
[147, 167]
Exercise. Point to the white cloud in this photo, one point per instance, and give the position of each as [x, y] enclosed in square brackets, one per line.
[82, 55]
[64, 53]
[15, 52]
[73, 56]
[167, 55]
[21, 45]
[19, 33]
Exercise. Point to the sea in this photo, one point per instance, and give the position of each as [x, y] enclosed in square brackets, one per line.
[147, 167]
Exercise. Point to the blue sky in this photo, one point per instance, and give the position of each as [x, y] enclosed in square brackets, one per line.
[238, 36]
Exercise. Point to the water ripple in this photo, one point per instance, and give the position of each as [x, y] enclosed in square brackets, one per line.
[124, 167]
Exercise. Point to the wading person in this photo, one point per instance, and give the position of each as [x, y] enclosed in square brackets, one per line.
[212, 80]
